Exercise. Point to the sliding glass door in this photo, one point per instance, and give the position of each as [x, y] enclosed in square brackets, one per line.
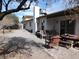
[67, 26]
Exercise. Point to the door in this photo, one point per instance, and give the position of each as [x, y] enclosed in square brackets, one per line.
[67, 26]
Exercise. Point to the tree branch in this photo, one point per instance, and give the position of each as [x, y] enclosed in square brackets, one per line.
[15, 10]
[7, 4]
[4, 1]
[21, 4]
[11, 11]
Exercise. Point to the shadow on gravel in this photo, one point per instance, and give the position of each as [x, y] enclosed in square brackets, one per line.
[18, 44]
[14, 46]
[34, 44]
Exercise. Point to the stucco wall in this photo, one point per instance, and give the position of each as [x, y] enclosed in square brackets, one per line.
[39, 23]
[77, 27]
[54, 23]
[28, 26]
[49, 24]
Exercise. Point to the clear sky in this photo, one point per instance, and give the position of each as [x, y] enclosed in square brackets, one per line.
[54, 6]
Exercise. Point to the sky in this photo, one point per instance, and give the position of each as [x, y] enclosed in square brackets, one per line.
[57, 6]
[54, 6]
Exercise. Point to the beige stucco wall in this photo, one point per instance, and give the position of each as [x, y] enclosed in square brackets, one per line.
[77, 27]
[27, 25]
[49, 24]
[39, 23]
[54, 23]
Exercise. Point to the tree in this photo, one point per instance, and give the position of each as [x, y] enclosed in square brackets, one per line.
[10, 20]
[73, 7]
[15, 18]
[23, 5]
[0, 5]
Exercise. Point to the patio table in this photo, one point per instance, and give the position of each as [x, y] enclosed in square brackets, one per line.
[72, 38]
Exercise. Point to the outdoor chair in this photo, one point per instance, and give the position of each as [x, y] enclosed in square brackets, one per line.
[38, 34]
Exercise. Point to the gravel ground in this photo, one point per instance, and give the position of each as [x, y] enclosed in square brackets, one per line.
[64, 53]
[36, 52]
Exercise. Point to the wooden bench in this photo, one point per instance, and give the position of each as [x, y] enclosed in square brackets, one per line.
[66, 44]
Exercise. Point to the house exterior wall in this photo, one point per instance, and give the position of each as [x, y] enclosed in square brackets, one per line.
[62, 18]
[36, 13]
[77, 27]
[54, 23]
[28, 25]
[49, 24]
[39, 23]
